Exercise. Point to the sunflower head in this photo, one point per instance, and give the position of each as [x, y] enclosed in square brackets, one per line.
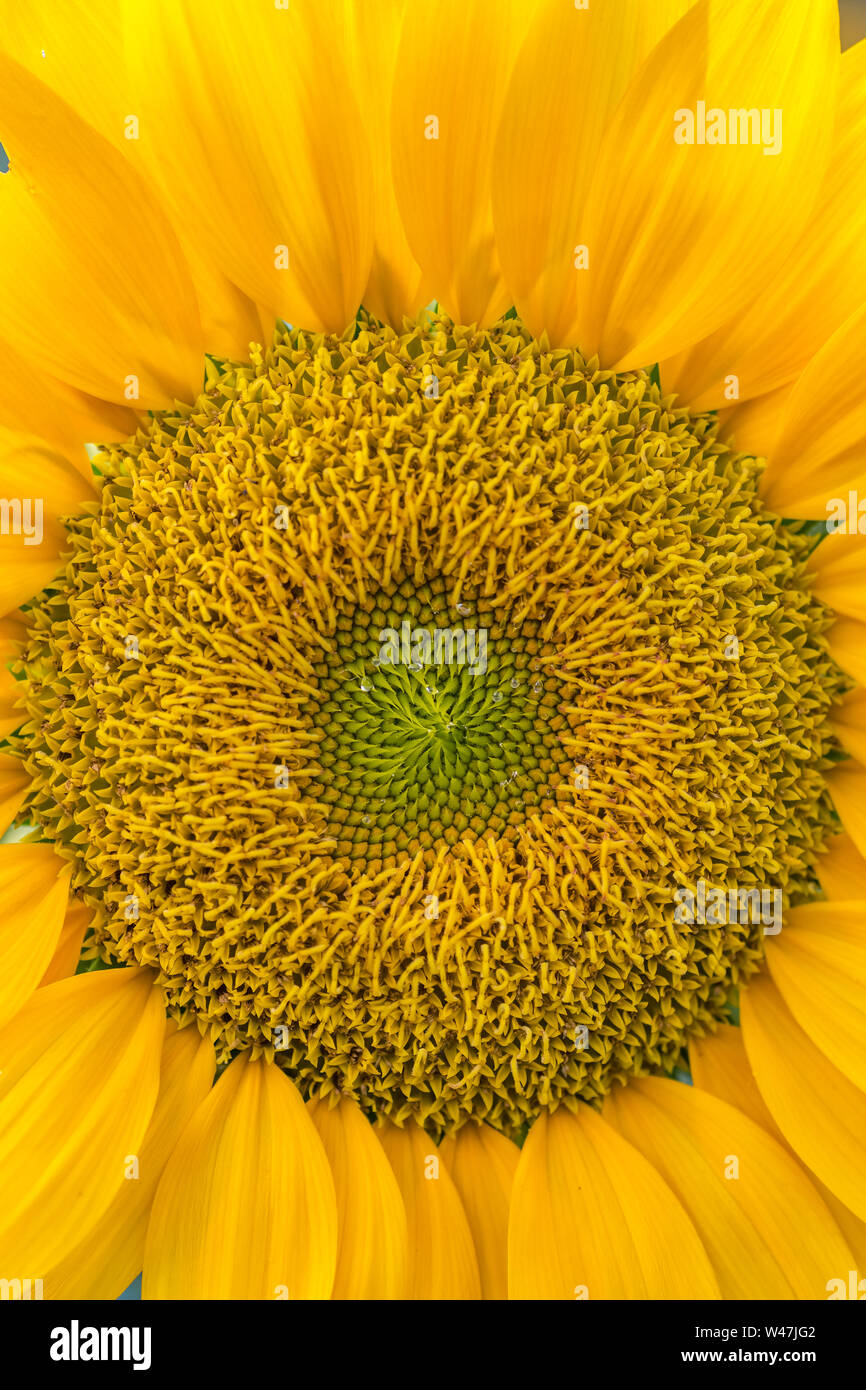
[395, 688]
[427, 728]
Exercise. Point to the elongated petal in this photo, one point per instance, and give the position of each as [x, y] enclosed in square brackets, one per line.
[79, 1072]
[288, 149]
[482, 1163]
[107, 1261]
[33, 403]
[372, 1250]
[453, 67]
[849, 723]
[798, 1084]
[442, 1259]
[33, 897]
[821, 450]
[818, 964]
[38, 489]
[754, 426]
[394, 288]
[847, 786]
[671, 226]
[12, 634]
[570, 74]
[719, 1065]
[838, 568]
[591, 1218]
[229, 319]
[110, 310]
[805, 299]
[68, 949]
[245, 1208]
[847, 641]
[76, 49]
[739, 1187]
[842, 870]
[14, 781]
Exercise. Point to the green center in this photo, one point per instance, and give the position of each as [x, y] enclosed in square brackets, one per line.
[438, 725]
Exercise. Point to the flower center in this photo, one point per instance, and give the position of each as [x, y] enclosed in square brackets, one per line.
[398, 690]
[440, 726]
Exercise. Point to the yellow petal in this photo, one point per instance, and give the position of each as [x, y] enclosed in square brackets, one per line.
[569, 77]
[821, 449]
[590, 1218]
[111, 310]
[848, 722]
[841, 870]
[229, 319]
[719, 1065]
[107, 1261]
[33, 897]
[754, 426]
[820, 1112]
[245, 1208]
[12, 634]
[372, 1250]
[739, 1187]
[394, 288]
[14, 781]
[38, 488]
[818, 964]
[847, 642]
[34, 403]
[482, 1163]
[453, 67]
[806, 298]
[68, 949]
[671, 227]
[79, 1072]
[76, 49]
[270, 177]
[442, 1260]
[847, 786]
[838, 568]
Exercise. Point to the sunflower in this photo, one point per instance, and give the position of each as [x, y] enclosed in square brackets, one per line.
[434, 753]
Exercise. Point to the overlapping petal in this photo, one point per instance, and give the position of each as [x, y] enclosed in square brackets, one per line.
[372, 1248]
[110, 311]
[79, 1073]
[442, 1258]
[482, 1163]
[591, 1218]
[738, 1186]
[245, 1207]
[809, 295]
[39, 488]
[271, 178]
[798, 1083]
[34, 889]
[453, 66]
[107, 1261]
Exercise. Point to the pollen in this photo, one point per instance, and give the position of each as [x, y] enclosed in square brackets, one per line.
[395, 689]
